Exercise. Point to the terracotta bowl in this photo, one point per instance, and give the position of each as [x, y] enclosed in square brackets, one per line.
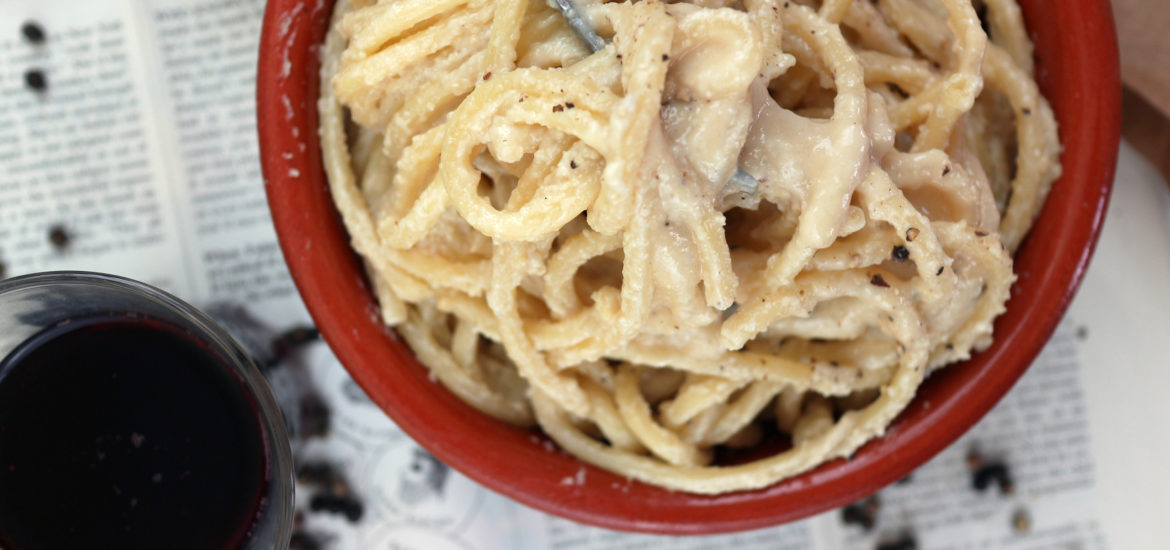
[1077, 66]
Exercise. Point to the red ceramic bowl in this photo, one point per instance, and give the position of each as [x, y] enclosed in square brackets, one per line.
[1077, 67]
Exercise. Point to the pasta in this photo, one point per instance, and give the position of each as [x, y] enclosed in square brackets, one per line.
[566, 239]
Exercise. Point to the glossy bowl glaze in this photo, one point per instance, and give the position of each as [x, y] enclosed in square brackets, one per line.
[1077, 66]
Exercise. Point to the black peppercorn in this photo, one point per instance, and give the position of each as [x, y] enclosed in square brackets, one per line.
[1021, 521]
[59, 237]
[350, 508]
[316, 473]
[290, 341]
[905, 542]
[997, 473]
[302, 541]
[36, 80]
[33, 32]
[863, 513]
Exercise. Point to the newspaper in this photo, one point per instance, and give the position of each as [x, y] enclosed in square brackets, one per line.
[141, 150]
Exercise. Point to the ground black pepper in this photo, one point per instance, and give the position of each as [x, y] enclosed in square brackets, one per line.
[901, 253]
[878, 280]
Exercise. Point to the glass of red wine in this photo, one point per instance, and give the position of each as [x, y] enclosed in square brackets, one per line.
[129, 419]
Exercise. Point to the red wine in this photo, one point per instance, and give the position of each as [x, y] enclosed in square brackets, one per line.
[126, 433]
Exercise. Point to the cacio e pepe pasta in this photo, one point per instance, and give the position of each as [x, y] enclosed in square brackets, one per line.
[734, 219]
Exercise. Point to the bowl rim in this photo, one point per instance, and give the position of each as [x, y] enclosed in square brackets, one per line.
[1076, 48]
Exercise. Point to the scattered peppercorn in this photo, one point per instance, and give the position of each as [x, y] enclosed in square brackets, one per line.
[974, 459]
[946, 170]
[316, 473]
[573, 164]
[339, 488]
[901, 253]
[911, 234]
[487, 75]
[570, 105]
[59, 237]
[33, 32]
[665, 57]
[349, 507]
[940, 270]
[1082, 331]
[878, 280]
[36, 80]
[290, 341]
[1021, 521]
[303, 541]
[558, 108]
[863, 513]
[904, 542]
[334, 494]
[315, 417]
[996, 472]
[1026, 111]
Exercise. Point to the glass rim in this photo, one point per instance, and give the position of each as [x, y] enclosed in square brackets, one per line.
[271, 417]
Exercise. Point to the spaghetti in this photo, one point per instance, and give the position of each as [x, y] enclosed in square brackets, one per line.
[563, 238]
